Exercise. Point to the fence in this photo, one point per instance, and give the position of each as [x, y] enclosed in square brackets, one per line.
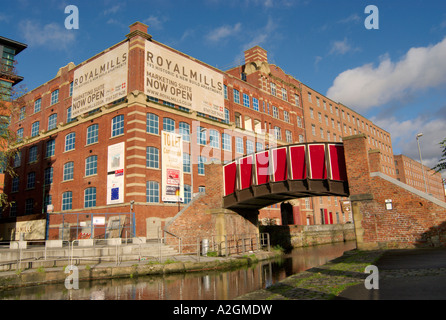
[218, 245]
[72, 226]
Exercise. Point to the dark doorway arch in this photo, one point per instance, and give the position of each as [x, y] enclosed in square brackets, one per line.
[286, 210]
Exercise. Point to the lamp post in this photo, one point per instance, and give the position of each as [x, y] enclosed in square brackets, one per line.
[421, 159]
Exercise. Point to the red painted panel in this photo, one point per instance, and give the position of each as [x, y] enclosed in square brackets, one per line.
[298, 164]
[279, 164]
[326, 217]
[337, 162]
[245, 165]
[229, 171]
[262, 164]
[317, 161]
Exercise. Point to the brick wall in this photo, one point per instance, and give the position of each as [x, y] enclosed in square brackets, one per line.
[205, 218]
[415, 218]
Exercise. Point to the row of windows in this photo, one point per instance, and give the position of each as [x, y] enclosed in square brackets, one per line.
[70, 140]
[90, 196]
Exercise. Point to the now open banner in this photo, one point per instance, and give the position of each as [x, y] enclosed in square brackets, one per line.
[172, 167]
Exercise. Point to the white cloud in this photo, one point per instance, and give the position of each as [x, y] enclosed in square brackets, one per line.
[367, 86]
[403, 134]
[223, 32]
[154, 22]
[53, 35]
[342, 47]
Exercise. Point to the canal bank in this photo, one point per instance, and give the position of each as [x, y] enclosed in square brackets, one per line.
[407, 274]
[132, 269]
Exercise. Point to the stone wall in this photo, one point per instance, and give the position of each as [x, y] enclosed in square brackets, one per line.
[295, 236]
[414, 219]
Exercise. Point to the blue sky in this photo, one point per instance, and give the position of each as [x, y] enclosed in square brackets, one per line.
[396, 75]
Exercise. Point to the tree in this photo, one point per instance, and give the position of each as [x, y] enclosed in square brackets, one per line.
[442, 162]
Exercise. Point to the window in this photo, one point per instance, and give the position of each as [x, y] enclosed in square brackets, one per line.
[278, 133]
[255, 104]
[32, 154]
[201, 135]
[92, 134]
[185, 131]
[284, 94]
[202, 189]
[309, 96]
[18, 159]
[187, 193]
[117, 125]
[13, 210]
[225, 90]
[152, 192]
[37, 105]
[91, 165]
[31, 180]
[289, 136]
[29, 206]
[201, 162]
[273, 88]
[249, 147]
[186, 163]
[259, 146]
[55, 96]
[299, 122]
[20, 135]
[15, 184]
[301, 138]
[226, 116]
[68, 170]
[296, 100]
[236, 96]
[152, 158]
[311, 113]
[318, 102]
[246, 101]
[286, 116]
[52, 121]
[169, 125]
[22, 113]
[70, 141]
[313, 129]
[214, 139]
[50, 148]
[275, 112]
[238, 120]
[71, 88]
[152, 125]
[90, 197]
[67, 200]
[48, 176]
[239, 145]
[226, 141]
[69, 118]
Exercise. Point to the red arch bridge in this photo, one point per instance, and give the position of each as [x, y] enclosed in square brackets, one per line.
[284, 173]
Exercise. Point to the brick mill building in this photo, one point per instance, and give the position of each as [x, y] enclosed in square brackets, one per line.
[89, 145]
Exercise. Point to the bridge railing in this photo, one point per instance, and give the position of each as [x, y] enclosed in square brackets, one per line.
[291, 168]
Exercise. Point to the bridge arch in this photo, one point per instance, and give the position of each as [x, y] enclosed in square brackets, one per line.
[283, 173]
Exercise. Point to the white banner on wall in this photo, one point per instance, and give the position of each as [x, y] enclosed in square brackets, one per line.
[172, 167]
[100, 81]
[181, 81]
[115, 173]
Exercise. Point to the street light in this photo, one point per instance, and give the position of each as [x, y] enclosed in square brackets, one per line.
[421, 159]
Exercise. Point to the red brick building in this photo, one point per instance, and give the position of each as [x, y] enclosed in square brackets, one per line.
[68, 139]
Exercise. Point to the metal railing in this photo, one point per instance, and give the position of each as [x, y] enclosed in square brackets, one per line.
[20, 253]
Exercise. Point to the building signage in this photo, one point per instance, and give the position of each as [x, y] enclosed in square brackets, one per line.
[100, 81]
[172, 167]
[115, 173]
[181, 81]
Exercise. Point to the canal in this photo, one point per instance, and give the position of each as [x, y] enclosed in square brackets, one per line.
[208, 285]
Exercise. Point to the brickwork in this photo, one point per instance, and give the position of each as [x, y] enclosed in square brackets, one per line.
[414, 218]
[205, 218]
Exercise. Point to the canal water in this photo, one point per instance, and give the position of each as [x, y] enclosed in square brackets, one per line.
[209, 285]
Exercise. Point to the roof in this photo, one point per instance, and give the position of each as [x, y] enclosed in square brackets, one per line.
[18, 46]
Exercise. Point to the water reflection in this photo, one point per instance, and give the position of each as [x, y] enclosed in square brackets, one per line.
[210, 285]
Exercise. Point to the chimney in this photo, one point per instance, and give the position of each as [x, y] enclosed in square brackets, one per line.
[256, 54]
[139, 29]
